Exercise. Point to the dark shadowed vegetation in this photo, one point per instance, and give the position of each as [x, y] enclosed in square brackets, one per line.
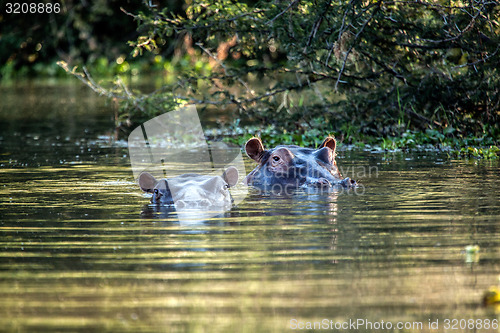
[358, 69]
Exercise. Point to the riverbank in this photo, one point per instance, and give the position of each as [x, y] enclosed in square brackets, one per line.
[225, 125]
[456, 144]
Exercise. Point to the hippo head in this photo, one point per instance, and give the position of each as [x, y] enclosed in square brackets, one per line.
[190, 190]
[292, 166]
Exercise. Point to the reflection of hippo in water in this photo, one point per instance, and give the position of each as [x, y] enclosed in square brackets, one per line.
[292, 167]
[190, 190]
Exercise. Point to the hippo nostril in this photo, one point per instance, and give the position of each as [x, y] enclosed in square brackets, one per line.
[204, 203]
[348, 182]
[323, 182]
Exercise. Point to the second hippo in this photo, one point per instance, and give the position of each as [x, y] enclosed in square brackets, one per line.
[292, 167]
[190, 190]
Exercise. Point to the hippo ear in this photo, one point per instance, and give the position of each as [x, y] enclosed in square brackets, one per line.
[147, 182]
[230, 176]
[329, 142]
[325, 155]
[254, 149]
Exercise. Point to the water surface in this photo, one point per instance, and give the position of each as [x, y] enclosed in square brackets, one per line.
[80, 249]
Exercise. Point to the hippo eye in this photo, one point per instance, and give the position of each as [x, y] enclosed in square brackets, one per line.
[276, 158]
[157, 194]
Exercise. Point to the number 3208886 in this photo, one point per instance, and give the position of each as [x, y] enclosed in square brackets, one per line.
[473, 324]
[32, 8]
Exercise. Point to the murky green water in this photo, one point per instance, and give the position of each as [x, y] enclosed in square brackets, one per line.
[81, 251]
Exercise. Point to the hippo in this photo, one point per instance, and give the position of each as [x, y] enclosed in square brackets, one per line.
[190, 190]
[294, 167]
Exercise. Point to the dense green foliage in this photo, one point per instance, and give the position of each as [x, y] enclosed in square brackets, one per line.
[91, 32]
[357, 69]
[375, 67]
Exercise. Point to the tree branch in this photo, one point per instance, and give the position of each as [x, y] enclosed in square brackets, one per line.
[352, 45]
[283, 12]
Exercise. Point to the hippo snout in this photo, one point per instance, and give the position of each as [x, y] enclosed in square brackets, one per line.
[348, 182]
[322, 182]
[203, 203]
